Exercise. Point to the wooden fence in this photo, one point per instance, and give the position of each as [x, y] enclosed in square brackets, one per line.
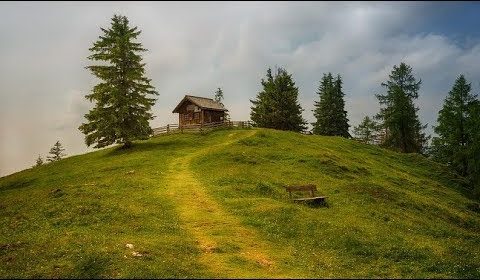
[174, 128]
[169, 128]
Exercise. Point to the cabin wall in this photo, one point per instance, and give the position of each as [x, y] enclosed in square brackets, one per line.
[191, 114]
[213, 116]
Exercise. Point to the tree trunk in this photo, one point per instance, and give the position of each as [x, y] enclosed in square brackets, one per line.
[127, 144]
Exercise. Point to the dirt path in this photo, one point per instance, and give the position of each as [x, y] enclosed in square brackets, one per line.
[229, 250]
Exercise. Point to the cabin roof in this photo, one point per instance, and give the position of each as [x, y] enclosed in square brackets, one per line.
[202, 102]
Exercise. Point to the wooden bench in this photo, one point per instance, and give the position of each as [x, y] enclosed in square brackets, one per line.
[305, 188]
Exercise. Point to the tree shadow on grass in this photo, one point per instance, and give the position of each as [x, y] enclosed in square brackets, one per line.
[92, 266]
[315, 203]
[147, 147]
[18, 184]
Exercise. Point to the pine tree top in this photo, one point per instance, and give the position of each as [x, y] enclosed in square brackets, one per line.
[56, 152]
[218, 95]
[39, 161]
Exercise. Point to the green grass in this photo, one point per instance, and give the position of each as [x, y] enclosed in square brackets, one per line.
[213, 205]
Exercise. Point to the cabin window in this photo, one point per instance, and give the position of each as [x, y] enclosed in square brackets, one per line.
[196, 116]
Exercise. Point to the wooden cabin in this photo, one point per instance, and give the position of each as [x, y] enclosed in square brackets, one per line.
[195, 110]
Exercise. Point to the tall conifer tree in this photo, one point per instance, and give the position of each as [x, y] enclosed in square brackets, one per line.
[124, 97]
[276, 106]
[458, 130]
[330, 114]
[404, 132]
[219, 98]
[473, 125]
[453, 140]
[323, 111]
[261, 111]
[219, 95]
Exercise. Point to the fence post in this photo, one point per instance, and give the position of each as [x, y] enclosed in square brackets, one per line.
[168, 128]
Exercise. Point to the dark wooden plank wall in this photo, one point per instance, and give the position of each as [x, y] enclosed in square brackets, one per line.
[189, 117]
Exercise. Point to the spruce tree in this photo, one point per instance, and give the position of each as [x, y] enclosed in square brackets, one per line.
[341, 120]
[219, 95]
[276, 106]
[367, 131]
[457, 128]
[262, 110]
[399, 114]
[219, 98]
[330, 114]
[39, 161]
[56, 152]
[124, 97]
[323, 111]
[473, 125]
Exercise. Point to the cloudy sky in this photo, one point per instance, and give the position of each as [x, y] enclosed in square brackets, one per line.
[196, 47]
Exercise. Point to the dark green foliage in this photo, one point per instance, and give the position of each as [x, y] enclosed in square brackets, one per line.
[276, 106]
[39, 161]
[56, 152]
[367, 131]
[458, 130]
[92, 266]
[330, 110]
[454, 138]
[219, 98]
[122, 108]
[399, 114]
[474, 151]
[219, 95]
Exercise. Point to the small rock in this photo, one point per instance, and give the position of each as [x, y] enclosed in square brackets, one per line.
[264, 262]
[209, 248]
[131, 172]
[136, 254]
[129, 246]
[57, 193]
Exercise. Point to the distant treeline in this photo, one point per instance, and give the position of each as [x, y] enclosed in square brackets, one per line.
[396, 126]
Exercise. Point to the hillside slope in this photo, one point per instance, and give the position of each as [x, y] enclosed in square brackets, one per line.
[213, 206]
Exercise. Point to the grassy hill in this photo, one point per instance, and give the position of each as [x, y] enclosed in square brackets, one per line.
[213, 206]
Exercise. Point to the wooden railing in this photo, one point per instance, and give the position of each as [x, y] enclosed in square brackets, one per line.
[174, 128]
[240, 123]
[169, 128]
